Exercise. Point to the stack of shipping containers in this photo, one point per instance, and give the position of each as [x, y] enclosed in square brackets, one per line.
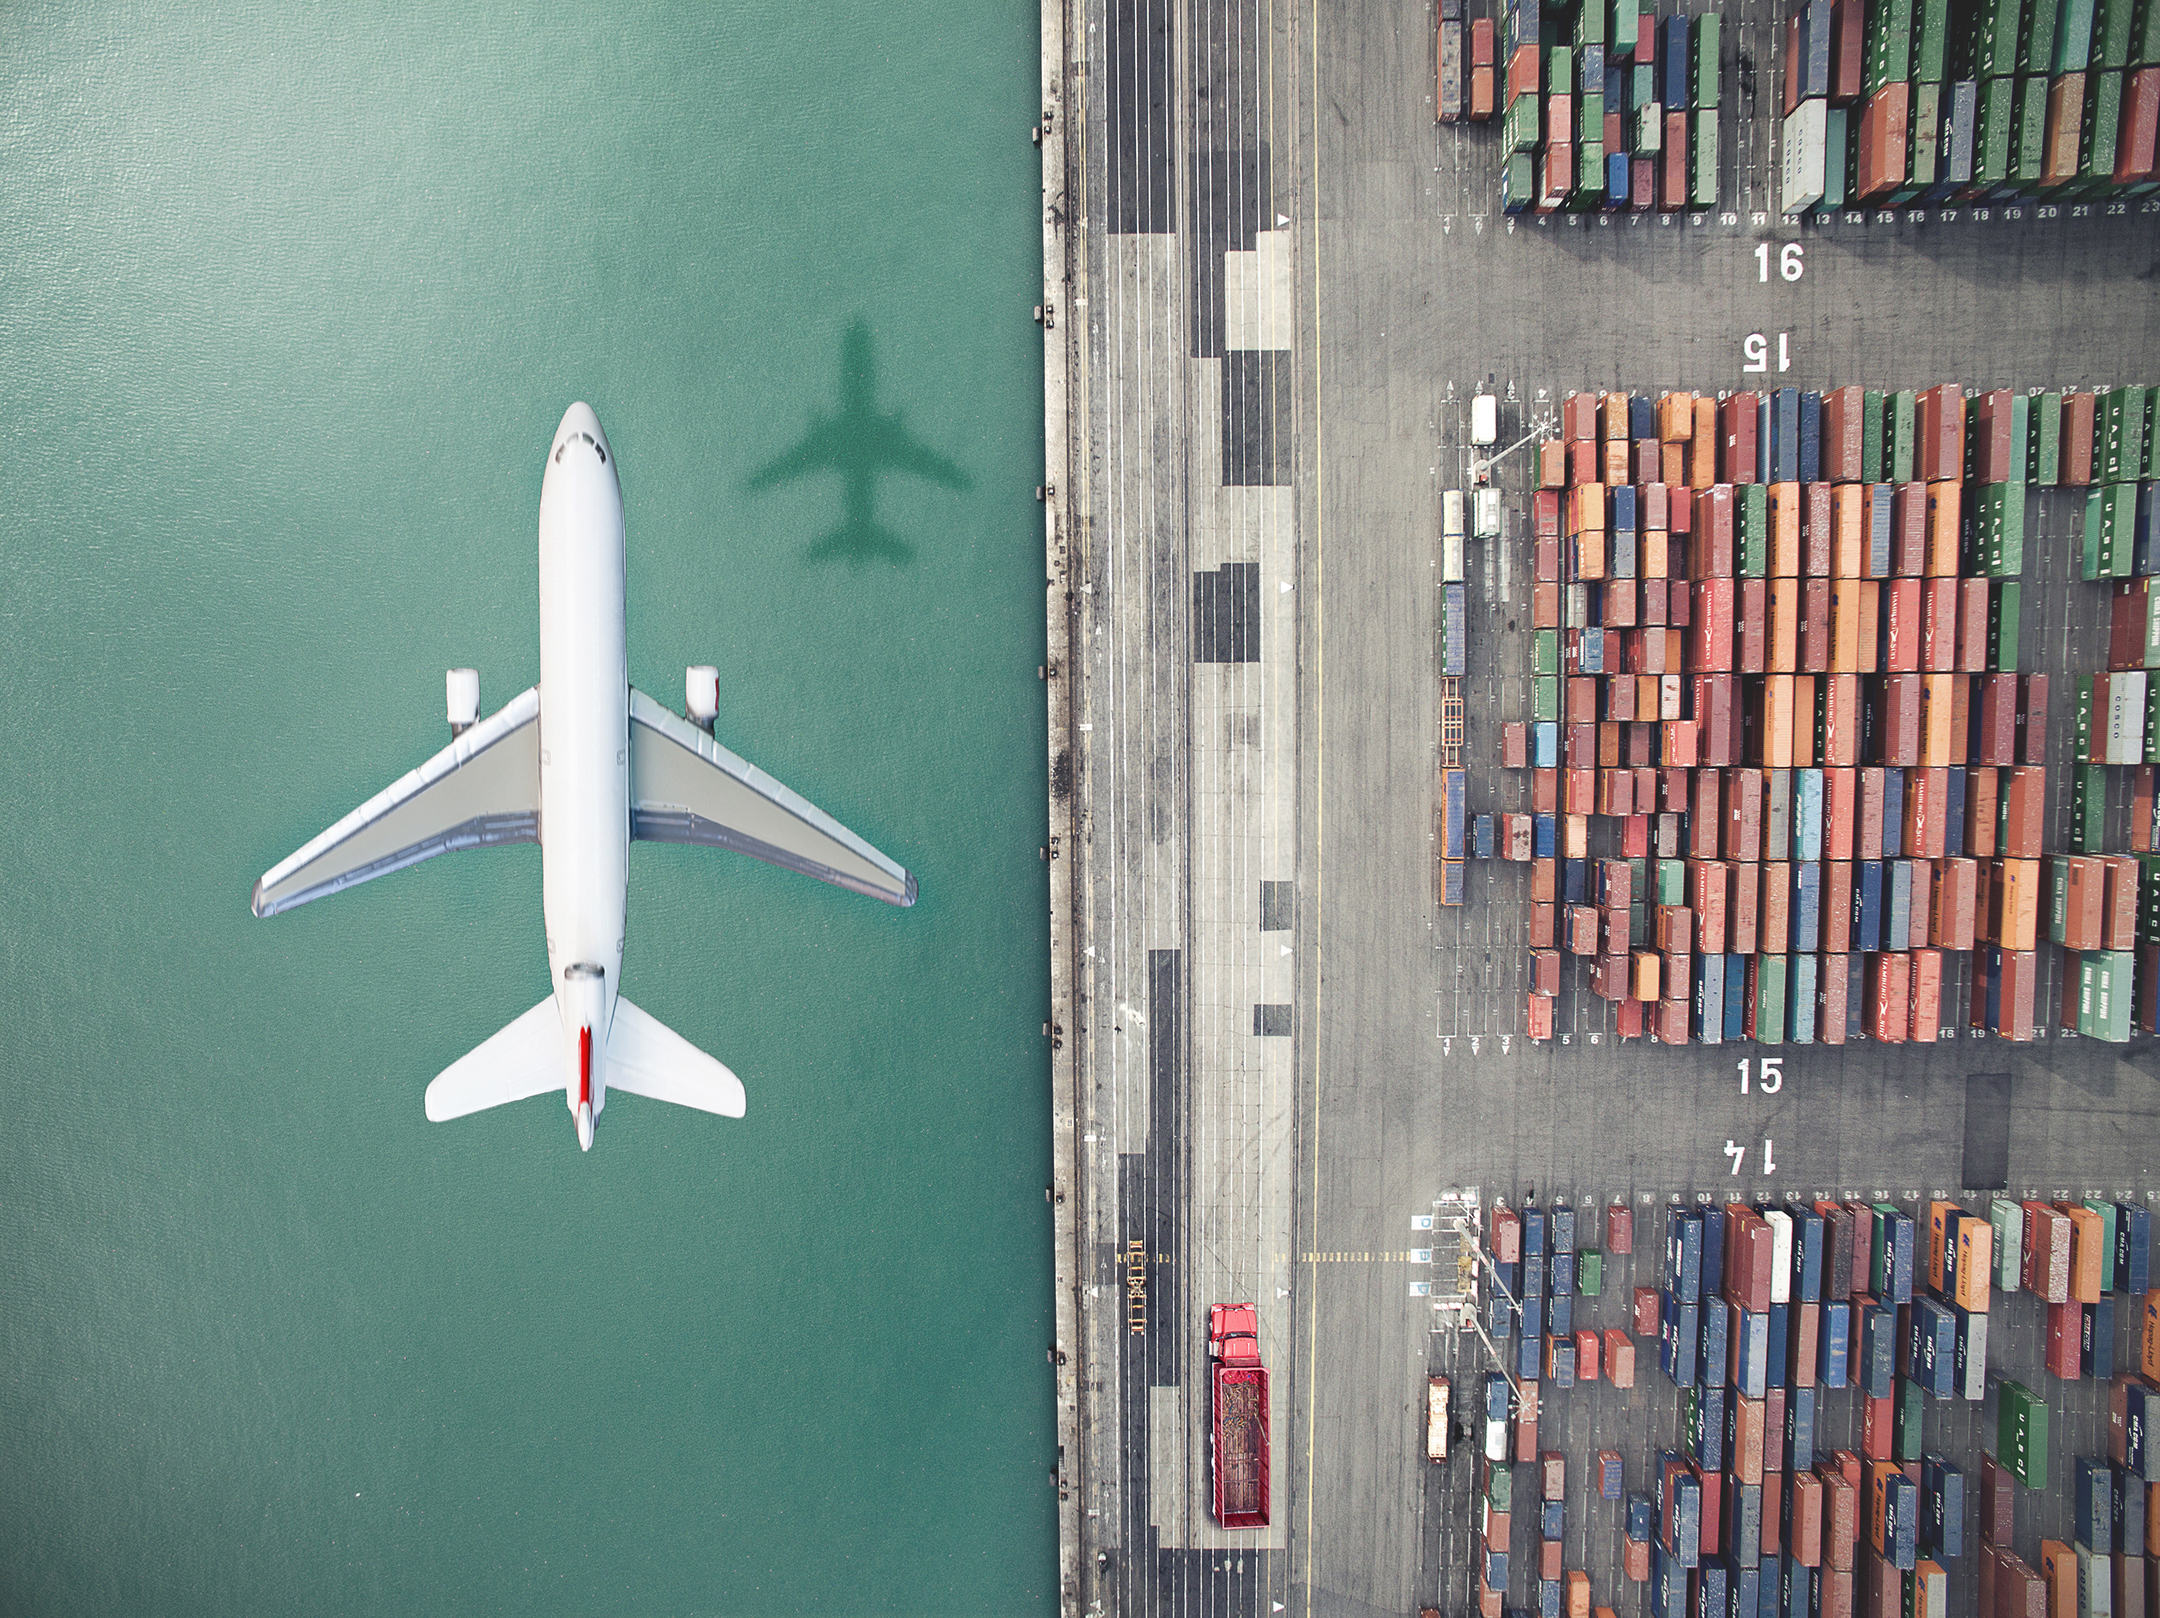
[1786, 1327]
[1609, 106]
[1776, 643]
[1926, 101]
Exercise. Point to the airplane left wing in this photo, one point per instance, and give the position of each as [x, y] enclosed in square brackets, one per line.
[686, 788]
[481, 790]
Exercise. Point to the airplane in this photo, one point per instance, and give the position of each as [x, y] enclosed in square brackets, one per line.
[582, 764]
[858, 443]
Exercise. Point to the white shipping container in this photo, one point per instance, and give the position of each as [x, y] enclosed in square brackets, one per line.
[1487, 514]
[1807, 134]
[1485, 420]
[1451, 511]
[1650, 131]
[1780, 1223]
[1451, 559]
[2126, 719]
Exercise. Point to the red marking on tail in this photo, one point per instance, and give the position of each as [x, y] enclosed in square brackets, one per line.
[584, 1064]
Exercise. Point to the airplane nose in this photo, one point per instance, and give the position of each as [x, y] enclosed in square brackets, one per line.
[579, 419]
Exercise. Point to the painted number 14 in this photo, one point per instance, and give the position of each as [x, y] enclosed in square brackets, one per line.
[1769, 1075]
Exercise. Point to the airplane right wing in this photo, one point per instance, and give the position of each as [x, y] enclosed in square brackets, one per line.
[480, 791]
[686, 788]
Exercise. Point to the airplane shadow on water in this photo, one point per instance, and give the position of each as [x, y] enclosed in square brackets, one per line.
[860, 442]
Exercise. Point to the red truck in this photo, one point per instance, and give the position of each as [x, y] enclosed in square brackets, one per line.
[1239, 1386]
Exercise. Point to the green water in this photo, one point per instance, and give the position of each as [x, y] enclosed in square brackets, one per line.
[291, 300]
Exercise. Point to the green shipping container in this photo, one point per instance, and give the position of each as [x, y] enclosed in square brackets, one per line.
[1770, 999]
[2005, 597]
[2008, 1220]
[1560, 71]
[2020, 435]
[2073, 37]
[1991, 145]
[2113, 25]
[2098, 130]
[1999, 524]
[2145, 36]
[2081, 721]
[2121, 438]
[2106, 1211]
[1626, 15]
[1589, 128]
[2110, 530]
[1672, 882]
[1911, 1413]
[1545, 651]
[1545, 700]
[1995, 36]
[1590, 1273]
[2044, 463]
[1836, 130]
[2104, 978]
[1902, 408]
[2028, 134]
[1703, 161]
[2036, 37]
[2148, 922]
[2021, 1438]
[1704, 45]
[2088, 809]
[1888, 43]
[2152, 718]
[1500, 1486]
[2149, 460]
[1520, 129]
[1871, 436]
[1590, 25]
[1638, 925]
[1518, 182]
[1924, 139]
[1751, 523]
[1931, 41]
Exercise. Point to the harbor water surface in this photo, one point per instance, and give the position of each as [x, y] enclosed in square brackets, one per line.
[294, 298]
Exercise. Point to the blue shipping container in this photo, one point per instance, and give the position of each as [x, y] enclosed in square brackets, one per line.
[1680, 1340]
[1799, 1429]
[1775, 1370]
[2096, 1355]
[1800, 975]
[1893, 814]
[1707, 1025]
[1810, 1232]
[1831, 1340]
[1954, 825]
[1867, 894]
[2133, 1249]
[1751, 1353]
[1807, 908]
[1552, 1518]
[1735, 996]
[1684, 1254]
[1877, 1367]
[1897, 930]
[1496, 1396]
[1575, 881]
[1563, 1272]
[1560, 1315]
[1932, 1354]
[1811, 403]
[1807, 814]
[1707, 1435]
[1942, 1508]
[1743, 1522]
[1545, 740]
[1716, 1336]
[1641, 1518]
[1562, 1232]
[1785, 436]
[2095, 1505]
[1901, 1522]
[2129, 1492]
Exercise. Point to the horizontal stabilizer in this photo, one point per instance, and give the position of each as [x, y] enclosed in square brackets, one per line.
[686, 788]
[648, 1058]
[523, 1059]
[480, 791]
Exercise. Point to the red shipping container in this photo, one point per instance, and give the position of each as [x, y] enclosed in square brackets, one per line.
[1713, 542]
[1741, 912]
[1673, 195]
[1619, 1359]
[1619, 1229]
[1927, 976]
[1805, 1542]
[2065, 1335]
[1841, 813]
[1889, 997]
[1539, 1018]
[1991, 461]
[1743, 816]
[1995, 737]
[1543, 927]
[1794, 83]
[1841, 1517]
[1848, 55]
[1837, 892]
[1939, 624]
[1578, 415]
[1711, 635]
[1817, 527]
[2032, 718]
[1713, 1509]
[1884, 135]
[1815, 626]
[1940, 429]
[1927, 814]
[2023, 826]
[1752, 656]
[1902, 622]
[1737, 418]
[1843, 428]
[2078, 409]
[1646, 1310]
[1877, 1417]
[1953, 904]
[2137, 148]
[1897, 728]
[1867, 844]
[2118, 905]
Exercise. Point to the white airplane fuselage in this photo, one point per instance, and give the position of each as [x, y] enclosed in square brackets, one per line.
[584, 748]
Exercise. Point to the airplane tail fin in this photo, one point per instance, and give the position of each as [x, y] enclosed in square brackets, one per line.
[648, 1058]
[525, 1058]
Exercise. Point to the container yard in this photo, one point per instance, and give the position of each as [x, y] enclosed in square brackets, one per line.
[1819, 1406]
[1642, 700]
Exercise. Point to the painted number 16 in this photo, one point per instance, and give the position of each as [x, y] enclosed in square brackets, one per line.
[1788, 262]
[1769, 1075]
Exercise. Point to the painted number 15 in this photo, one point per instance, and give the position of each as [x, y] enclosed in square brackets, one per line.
[1788, 262]
[1769, 1075]
[1755, 351]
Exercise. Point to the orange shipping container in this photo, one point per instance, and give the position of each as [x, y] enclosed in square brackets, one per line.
[1784, 650]
[2065, 115]
[1841, 721]
[1676, 417]
[1942, 530]
[2014, 899]
[2087, 1232]
[1785, 510]
[1972, 626]
[1778, 722]
[1927, 978]
[1803, 724]
[1847, 530]
[1939, 728]
[1702, 450]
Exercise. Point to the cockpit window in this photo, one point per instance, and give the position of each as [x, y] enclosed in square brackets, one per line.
[588, 438]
